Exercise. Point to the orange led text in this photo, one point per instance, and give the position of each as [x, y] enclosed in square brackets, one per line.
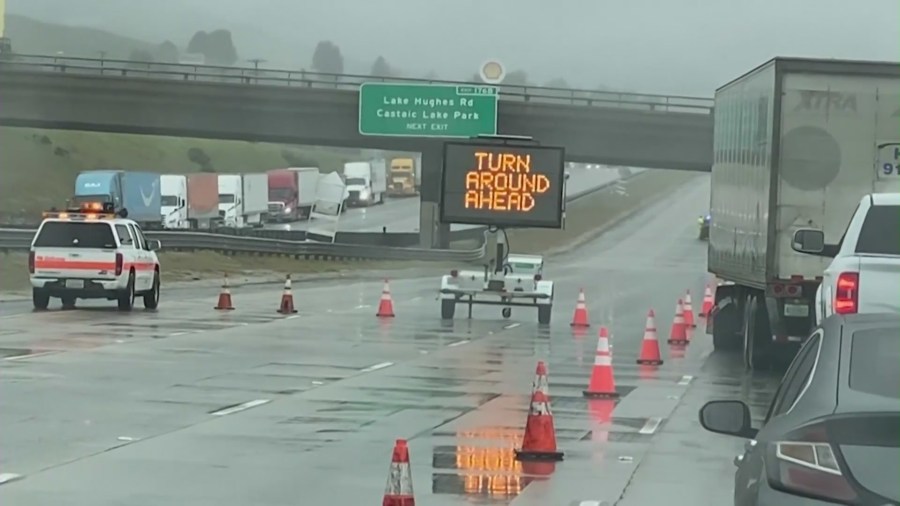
[503, 182]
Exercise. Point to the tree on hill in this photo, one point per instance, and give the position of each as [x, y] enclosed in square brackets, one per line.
[381, 68]
[516, 78]
[327, 58]
[216, 47]
[558, 83]
[140, 55]
[167, 52]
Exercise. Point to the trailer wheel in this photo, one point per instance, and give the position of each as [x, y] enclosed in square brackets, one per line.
[448, 309]
[757, 340]
[506, 312]
[726, 328]
[544, 312]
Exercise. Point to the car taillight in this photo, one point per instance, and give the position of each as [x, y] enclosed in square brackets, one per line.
[807, 464]
[120, 263]
[846, 293]
[454, 273]
[31, 262]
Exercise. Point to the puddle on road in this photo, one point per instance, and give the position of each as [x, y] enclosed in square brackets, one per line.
[485, 474]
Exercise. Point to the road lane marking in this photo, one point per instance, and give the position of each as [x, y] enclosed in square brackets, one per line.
[32, 355]
[458, 343]
[512, 325]
[376, 367]
[292, 317]
[176, 334]
[8, 477]
[685, 380]
[362, 306]
[651, 425]
[240, 407]
[590, 503]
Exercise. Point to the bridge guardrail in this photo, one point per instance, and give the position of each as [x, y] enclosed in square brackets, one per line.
[303, 78]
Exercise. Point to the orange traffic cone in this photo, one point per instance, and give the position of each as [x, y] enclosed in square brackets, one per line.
[399, 488]
[650, 346]
[688, 310]
[602, 384]
[580, 318]
[539, 442]
[224, 303]
[287, 298]
[386, 305]
[678, 334]
[706, 309]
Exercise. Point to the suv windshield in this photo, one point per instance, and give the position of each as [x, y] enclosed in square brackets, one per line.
[875, 362]
[71, 234]
[880, 233]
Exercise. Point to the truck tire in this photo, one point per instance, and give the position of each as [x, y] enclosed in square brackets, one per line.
[40, 299]
[757, 338]
[448, 309]
[544, 313]
[151, 297]
[726, 328]
[126, 296]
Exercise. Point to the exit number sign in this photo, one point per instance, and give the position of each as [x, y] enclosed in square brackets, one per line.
[427, 110]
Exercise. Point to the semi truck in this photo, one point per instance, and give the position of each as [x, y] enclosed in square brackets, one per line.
[292, 193]
[405, 175]
[138, 193]
[189, 201]
[243, 199]
[366, 182]
[796, 144]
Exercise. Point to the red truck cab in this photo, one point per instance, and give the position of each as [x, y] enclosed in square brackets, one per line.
[283, 193]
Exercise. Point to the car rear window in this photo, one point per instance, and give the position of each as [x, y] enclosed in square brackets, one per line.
[72, 234]
[875, 362]
[880, 234]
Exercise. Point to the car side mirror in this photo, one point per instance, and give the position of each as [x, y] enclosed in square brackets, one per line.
[809, 241]
[154, 244]
[727, 417]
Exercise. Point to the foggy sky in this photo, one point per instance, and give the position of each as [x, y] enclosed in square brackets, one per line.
[653, 46]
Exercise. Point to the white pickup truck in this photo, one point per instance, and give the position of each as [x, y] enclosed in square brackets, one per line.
[864, 275]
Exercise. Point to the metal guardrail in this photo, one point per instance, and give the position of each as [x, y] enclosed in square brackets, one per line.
[322, 80]
[17, 239]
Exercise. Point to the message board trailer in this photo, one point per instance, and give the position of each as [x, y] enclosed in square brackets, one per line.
[504, 184]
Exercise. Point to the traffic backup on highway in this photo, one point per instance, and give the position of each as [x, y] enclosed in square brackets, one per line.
[803, 231]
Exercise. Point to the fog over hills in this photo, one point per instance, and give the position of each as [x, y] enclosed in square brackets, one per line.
[653, 46]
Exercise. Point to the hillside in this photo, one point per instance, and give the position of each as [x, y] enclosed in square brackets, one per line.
[35, 37]
[38, 167]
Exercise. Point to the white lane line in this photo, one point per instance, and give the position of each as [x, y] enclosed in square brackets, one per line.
[685, 380]
[512, 325]
[362, 306]
[458, 343]
[651, 425]
[176, 334]
[32, 355]
[590, 503]
[292, 317]
[376, 367]
[8, 477]
[240, 407]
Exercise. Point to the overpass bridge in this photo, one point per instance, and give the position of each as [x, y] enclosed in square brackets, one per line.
[299, 107]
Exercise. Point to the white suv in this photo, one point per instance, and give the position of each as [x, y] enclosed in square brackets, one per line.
[864, 275]
[93, 255]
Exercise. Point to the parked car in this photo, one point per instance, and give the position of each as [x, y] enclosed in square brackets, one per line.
[832, 431]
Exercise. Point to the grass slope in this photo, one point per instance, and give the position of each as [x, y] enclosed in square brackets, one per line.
[38, 167]
[30, 36]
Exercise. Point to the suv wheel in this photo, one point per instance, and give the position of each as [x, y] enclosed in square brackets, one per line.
[151, 298]
[40, 298]
[126, 297]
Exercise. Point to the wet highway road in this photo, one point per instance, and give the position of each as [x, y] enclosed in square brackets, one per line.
[402, 214]
[188, 406]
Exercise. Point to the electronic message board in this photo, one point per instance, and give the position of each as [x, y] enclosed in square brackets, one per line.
[501, 185]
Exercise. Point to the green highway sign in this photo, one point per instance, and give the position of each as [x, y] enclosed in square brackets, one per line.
[427, 110]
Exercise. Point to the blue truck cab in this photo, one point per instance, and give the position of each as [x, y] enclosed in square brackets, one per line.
[137, 192]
